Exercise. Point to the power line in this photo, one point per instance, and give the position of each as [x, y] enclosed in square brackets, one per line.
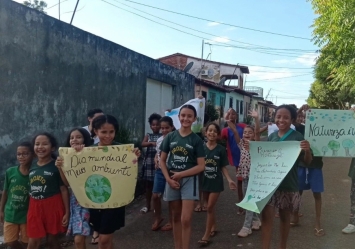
[257, 71]
[257, 46]
[200, 37]
[56, 4]
[221, 23]
[280, 77]
[285, 92]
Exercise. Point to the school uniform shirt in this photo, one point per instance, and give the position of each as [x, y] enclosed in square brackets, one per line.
[45, 181]
[96, 138]
[184, 151]
[290, 182]
[216, 159]
[233, 150]
[17, 187]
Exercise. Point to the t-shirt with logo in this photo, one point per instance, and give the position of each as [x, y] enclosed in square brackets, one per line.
[290, 182]
[216, 159]
[45, 181]
[184, 151]
[17, 187]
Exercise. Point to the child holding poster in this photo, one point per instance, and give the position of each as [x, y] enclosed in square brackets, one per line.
[186, 160]
[150, 142]
[48, 212]
[212, 181]
[166, 126]
[286, 198]
[252, 220]
[79, 226]
[15, 198]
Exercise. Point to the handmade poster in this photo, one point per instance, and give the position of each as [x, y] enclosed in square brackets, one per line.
[331, 132]
[199, 105]
[270, 163]
[272, 128]
[101, 177]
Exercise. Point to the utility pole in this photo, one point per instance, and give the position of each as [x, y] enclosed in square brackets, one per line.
[74, 12]
[203, 44]
[59, 9]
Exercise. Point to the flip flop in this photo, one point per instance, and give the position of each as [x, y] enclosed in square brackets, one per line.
[93, 240]
[213, 233]
[294, 224]
[204, 243]
[156, 226]
[144, 210]
[167, 227]
[198, 209]
[319, 232]
[204, 209]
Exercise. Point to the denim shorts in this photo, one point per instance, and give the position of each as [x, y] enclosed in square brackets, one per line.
[159, 182]
[188, 190]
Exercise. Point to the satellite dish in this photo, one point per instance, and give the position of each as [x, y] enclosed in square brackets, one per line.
[188, 67]
[221, 82]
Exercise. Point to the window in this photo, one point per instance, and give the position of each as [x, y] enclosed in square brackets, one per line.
[231, 102]
[237, 106]
[241, 107]
[204, 94]
[213, 98]
[222, 101]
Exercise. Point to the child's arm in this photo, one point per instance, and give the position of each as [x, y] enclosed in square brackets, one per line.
[234, 130]
[305, 146]
[255, 115]
[2, 205]
[200, 167]
[65, 196]
[156, 161]
[59, 163]
[145, 142]
[232, 184]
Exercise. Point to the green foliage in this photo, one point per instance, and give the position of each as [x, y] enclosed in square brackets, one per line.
[36, 4]
[211, 112]
[335, 69]
[123, 135]
[248, 120]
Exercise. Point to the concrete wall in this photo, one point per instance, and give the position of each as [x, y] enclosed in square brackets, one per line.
[52, 73]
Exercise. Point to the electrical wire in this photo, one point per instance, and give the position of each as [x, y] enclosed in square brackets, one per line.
[280, 77]
[56, 4]
[221, 23]
[285, 92]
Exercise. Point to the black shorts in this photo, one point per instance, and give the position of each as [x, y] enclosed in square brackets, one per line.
[107, 221]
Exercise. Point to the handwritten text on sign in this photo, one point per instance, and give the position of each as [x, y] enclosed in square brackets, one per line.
[101, 177]
[331, 132]
[270, 163]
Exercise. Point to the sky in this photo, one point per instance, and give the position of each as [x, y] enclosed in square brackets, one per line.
[281, 65]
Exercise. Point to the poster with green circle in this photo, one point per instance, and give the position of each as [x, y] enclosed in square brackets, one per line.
[98, 188]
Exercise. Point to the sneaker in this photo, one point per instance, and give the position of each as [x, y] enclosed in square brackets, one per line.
[256, 225]
[349, 229]
[244, 232]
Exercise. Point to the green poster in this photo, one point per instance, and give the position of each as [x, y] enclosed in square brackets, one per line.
[331, 132]
[270, 163]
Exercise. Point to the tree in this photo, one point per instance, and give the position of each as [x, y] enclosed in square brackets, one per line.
[211, 112]
[36, 4]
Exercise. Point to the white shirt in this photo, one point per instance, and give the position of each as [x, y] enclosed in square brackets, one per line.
[157, 148]
[96, 139]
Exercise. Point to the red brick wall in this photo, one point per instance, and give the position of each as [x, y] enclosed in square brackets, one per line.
[175, 61]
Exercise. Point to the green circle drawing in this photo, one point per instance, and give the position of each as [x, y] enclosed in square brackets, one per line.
[98, 188]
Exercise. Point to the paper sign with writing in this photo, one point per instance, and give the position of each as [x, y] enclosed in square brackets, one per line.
[331, 132]
[199, 105]
[270, 163]
[101, 177]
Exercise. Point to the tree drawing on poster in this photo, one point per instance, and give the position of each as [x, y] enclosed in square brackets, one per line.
[331, 132]
[270, 163]
[101, 177]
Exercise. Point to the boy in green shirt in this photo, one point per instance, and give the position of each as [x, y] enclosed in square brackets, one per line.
[15, 199]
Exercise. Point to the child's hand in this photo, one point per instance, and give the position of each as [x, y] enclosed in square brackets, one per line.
[173, 184]
[59, 162]
[65, 220]
[78, 147]
[137, 152]
[153, 144]
[176, 176]
[232, 185]
[246, 144]
[231, 125]
[2, 217]
[305, 145]
[254, 114]
[226, 117]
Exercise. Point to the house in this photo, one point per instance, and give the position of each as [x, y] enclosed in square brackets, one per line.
[239, 100]
[52, 73]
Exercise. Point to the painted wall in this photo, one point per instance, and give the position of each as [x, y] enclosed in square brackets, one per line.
[238, 101]
[52, 73]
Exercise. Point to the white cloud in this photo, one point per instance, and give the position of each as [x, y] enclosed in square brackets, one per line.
[211, 24]
[221, 39]
[261, 73]
[307, 59]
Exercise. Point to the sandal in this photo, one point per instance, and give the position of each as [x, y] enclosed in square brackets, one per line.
[144, 210]
[294, 224]
[93, 240]
[167, 227]
[213, 233]
[319, 232]
[156, 225]
[241, 212]
[204, 243]
[204, 209]
[198, 209]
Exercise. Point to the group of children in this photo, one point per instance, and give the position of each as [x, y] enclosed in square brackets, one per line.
[37, 193]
